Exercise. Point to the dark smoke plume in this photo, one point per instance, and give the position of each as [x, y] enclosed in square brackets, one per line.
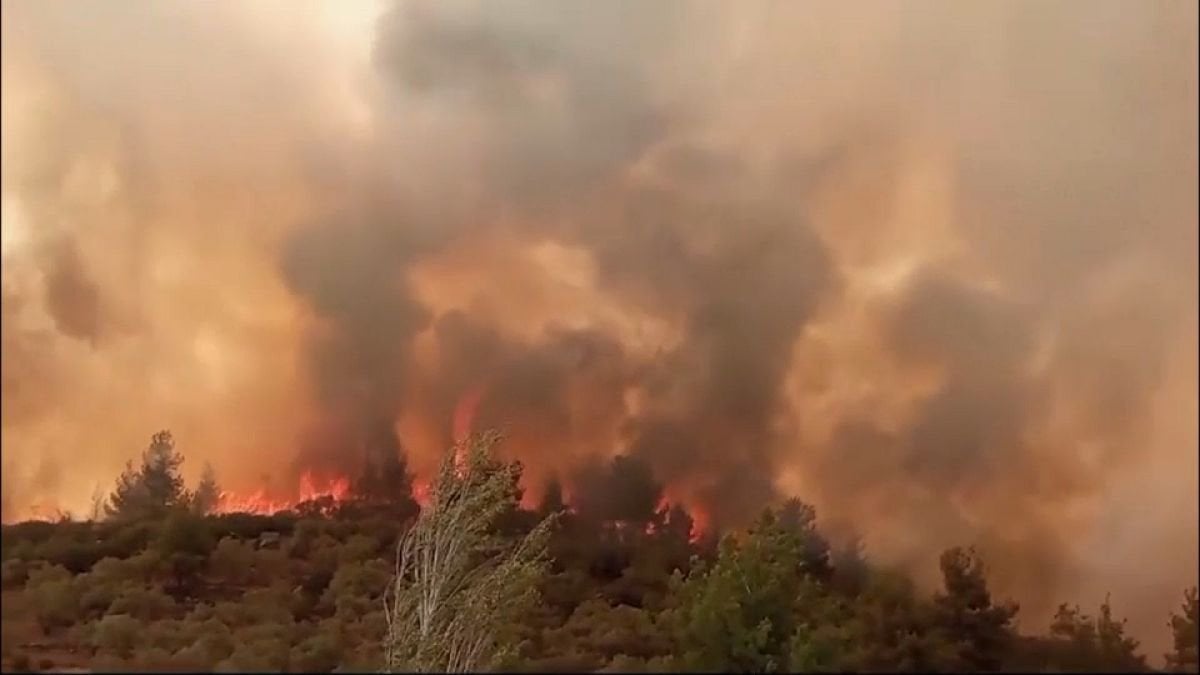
[930, 266]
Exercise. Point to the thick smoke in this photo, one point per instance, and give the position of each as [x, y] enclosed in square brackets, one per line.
[931, 267]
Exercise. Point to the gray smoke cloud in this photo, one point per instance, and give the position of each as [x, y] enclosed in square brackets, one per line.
[930, 266]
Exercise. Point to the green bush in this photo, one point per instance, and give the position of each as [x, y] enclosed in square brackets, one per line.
[126, 539]
[212, 642]
[117, 635]
[231, 561]
[96, 597]
[14, 572]
[152, 659]
[54, 597]
[265, 655]
[185, 533]
[147, 603]
[317, 654]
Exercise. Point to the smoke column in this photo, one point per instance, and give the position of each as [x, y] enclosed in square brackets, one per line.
[928, 265]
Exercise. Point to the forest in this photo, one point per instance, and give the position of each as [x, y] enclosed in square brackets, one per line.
[156, 579]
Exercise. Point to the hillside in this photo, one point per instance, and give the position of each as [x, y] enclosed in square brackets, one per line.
[301, 590]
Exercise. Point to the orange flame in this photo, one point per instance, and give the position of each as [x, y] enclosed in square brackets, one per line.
[259, 502]
[700, 524]
[47, 513]
[700, 518]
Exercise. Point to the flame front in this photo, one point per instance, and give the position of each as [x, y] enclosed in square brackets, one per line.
[262, 503]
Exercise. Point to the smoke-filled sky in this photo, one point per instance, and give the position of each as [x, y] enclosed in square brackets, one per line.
[929, 265]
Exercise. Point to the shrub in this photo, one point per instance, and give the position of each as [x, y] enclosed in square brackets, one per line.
[169, 635]
[54, 597]
[231, 561]
[125, 540]
[185, 533]
[213, 643]
[319, 653]
[96, 597]
[13, 573]
[143, 602]
[116, 634]
[265, 655]
[358, 548]
[152, 659]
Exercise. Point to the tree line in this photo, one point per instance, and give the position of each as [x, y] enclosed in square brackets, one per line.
[475, 582]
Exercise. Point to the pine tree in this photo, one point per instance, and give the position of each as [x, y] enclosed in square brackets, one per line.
[800, 520]
[1080, 642]
[980, 630]
[1185, 631]
[208, 494]
[384, 481]
[1117, 650]
[154, 487]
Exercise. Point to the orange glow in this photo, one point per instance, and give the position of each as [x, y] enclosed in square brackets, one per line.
[420, 492]
[464, 412]
[700, 524]
[261, 503]
[46, 513]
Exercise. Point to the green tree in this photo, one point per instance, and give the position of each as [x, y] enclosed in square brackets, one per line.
[893, 628]
[597, 633]
[1099, 644]
[385, 482]
[850, 569]
[208, 494]
[184, 543]
[739, 615]
[458, 586]
[827, 638]
[1184, 630]
[1118, 651]
[800, 520]
[154, 487]
[964, 613]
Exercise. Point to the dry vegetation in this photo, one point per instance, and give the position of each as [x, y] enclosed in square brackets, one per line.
[160, 585]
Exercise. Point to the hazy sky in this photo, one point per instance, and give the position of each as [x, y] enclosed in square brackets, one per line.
[929, 265]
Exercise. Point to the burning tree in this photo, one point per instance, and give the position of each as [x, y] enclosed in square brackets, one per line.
[459, 585]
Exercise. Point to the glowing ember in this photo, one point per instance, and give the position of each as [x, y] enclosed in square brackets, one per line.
[420, 491]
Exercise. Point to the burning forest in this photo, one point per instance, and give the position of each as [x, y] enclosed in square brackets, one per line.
[928, 266]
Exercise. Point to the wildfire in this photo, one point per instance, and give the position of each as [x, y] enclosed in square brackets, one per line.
[700, 519]
[260, 502]
[420, 492]
[264, 503]
[464, 412]
[700, 524]
[47, 513]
